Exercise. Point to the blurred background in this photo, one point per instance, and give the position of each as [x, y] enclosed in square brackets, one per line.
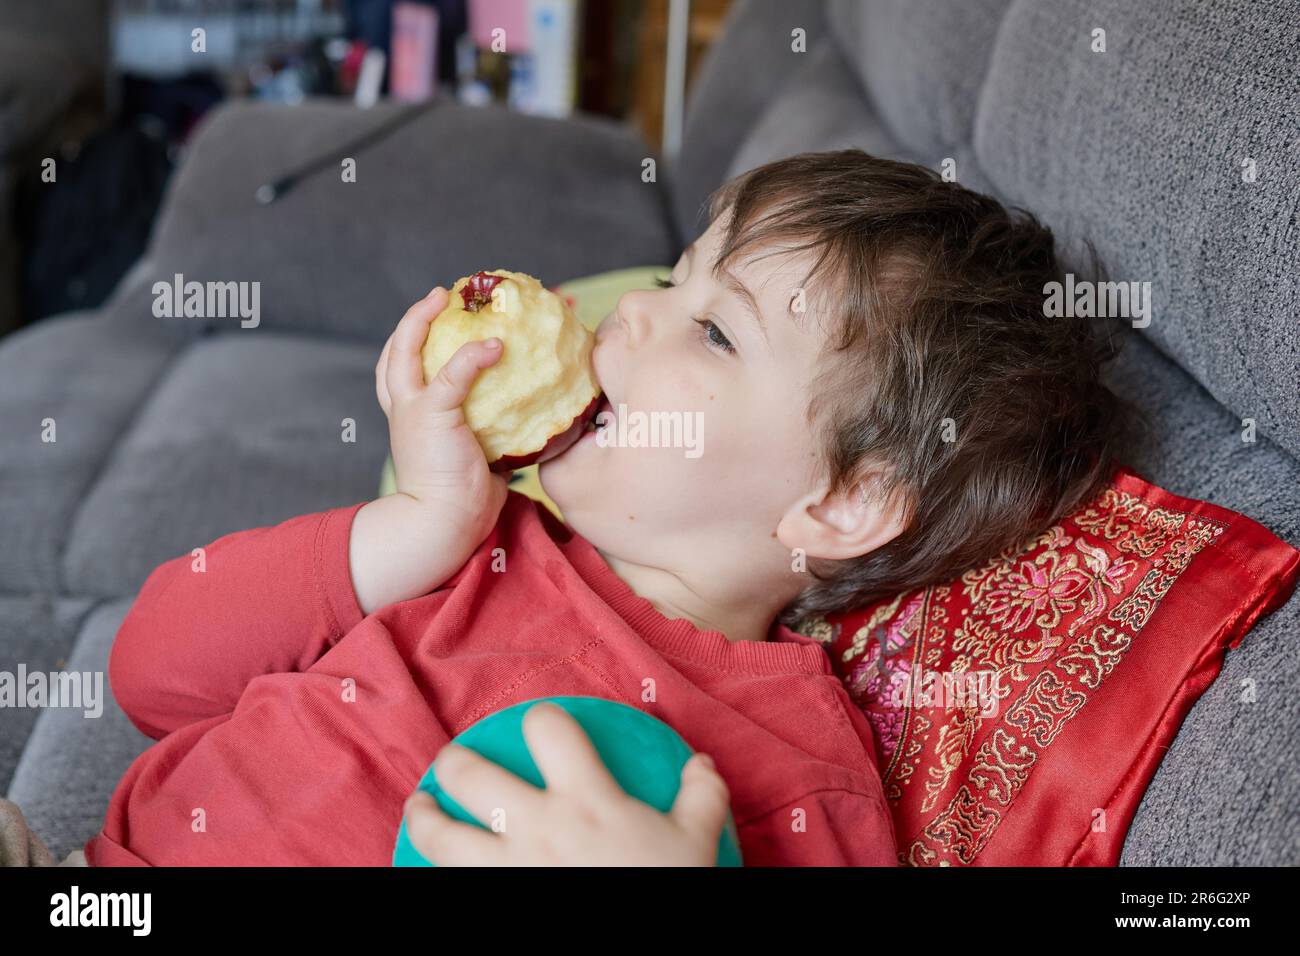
[109, 89]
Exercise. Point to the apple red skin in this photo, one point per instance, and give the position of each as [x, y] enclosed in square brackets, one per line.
[478, 291]
[554, 445]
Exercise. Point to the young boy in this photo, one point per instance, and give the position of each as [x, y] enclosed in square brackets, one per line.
[884, 404]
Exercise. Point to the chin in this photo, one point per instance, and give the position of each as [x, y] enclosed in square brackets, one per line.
[578, 485]
[555, 476]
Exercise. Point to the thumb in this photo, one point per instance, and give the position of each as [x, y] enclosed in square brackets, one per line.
[702, 802]
[451, 385]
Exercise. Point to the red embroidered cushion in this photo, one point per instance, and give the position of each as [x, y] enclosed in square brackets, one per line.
[1020, 712]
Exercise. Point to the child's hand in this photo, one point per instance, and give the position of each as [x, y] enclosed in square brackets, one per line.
[582, 818]
[406, 544]
[436, 458]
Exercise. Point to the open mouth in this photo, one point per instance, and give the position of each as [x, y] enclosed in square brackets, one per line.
[602, 406]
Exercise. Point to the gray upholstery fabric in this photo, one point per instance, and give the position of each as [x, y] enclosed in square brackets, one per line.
[821, 108]
[38, 630]
[72, 762]
[244, 430]
[751, 62]
[90, 377]
[554, 199]
[1140, 149]
[922, 63]
[1227, 792]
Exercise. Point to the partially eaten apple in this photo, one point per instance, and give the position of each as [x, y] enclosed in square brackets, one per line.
[537, 399]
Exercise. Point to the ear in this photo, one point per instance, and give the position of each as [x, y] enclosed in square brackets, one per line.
[847, 524]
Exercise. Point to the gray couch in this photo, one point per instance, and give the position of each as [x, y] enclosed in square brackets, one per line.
[174, 432]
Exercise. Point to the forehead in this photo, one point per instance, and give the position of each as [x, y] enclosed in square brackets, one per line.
[777, 276]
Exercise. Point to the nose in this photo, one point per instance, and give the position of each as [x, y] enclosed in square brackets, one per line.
[631, 316]
[618, 337]
[611, 324]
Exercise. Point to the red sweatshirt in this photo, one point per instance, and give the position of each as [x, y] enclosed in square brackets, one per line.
[291, 727]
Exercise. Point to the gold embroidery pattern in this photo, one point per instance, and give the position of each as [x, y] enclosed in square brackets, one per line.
[1051, 618]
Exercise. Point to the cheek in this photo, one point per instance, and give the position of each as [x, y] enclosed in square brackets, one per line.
[704, 447]
[761, 446]
[754, 426]
[752, 446]
[744, 455]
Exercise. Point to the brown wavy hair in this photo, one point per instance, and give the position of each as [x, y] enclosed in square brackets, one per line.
[932, 297]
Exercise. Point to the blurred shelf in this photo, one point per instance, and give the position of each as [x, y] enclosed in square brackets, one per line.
[646, 110]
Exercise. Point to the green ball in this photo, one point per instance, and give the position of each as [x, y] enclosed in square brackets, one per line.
[642, 753]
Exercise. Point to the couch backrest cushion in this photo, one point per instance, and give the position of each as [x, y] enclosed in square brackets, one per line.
[921, 62]
[1174, 152]
[821, 108]
[743, 71]
[456, 190]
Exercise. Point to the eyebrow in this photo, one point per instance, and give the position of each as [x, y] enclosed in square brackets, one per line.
[738, 289]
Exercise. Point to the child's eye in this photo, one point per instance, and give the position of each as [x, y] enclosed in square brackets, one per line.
[713, 336]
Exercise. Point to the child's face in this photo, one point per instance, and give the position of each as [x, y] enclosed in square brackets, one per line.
[715, 500]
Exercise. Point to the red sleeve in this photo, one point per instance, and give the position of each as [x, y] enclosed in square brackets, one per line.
[267, 600]
[824, 828]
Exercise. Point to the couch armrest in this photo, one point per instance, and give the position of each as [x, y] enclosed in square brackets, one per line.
[456, 190]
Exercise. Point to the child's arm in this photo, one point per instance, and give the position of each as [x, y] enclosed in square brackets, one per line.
[406, 544]
[274, 599]
[254, 602]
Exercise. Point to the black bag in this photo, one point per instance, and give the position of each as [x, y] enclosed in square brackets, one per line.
[85, 230]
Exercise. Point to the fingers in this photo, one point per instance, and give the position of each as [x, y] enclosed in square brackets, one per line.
[404, 375]
[703, 800]
[565, 755]
[482, 787]
[453, 381]
[445, 841]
